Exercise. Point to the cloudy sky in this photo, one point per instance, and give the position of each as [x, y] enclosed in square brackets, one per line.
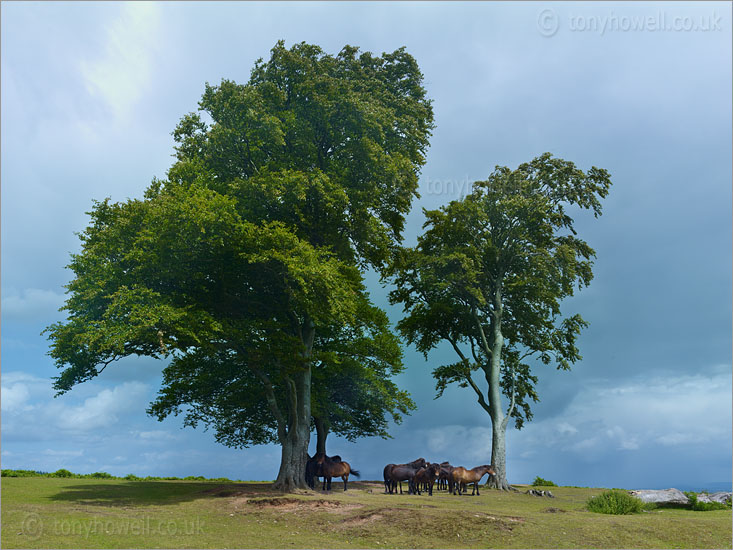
[92, 91]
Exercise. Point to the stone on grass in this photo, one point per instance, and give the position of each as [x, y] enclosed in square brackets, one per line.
[720, 496]
[662, 496]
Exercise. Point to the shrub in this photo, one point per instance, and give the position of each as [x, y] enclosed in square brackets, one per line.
[132, 477]
[194, 478]
[21, 473]
[614, 502]
[101, 475]
[705, 506]
[539, 482]
[63, 472]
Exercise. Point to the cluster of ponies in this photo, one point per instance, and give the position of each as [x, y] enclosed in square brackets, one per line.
[420, 475]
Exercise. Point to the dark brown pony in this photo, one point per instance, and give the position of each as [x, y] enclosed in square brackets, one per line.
[331, 468]
[461, 477]
[445, 481]
[313, 468]
[397, 473]
[427, 476]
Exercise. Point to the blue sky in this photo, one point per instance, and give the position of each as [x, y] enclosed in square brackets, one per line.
[92, 91]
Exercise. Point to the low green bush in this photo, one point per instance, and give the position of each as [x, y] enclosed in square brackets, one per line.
[21, 473]
[132, 477]
[705, 506]
[101, 475]
[63, 472]
[539, 482]
[614, 502]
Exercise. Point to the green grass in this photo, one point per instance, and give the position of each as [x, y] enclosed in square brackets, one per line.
[46, 512]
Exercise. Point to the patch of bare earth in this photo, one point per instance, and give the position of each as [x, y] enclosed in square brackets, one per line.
[372, 516]
[285, 504]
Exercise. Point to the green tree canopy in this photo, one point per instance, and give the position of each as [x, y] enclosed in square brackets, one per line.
[488, 276]
[281, 190]
[353, 392]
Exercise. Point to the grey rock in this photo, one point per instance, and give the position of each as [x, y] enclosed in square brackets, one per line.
[539, 493]
[662, 496]
[720, 496]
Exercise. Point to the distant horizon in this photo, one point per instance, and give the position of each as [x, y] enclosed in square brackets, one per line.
[712, 486]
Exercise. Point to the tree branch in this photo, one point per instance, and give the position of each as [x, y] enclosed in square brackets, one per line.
[272, 403]
[510, 410]
[469, 379]
[293, 391]
[487, 349]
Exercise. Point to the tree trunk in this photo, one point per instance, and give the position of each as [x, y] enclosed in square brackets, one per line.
[292, 464]
[321, 434]
[295, 442]
[498, 456]
[496, 411]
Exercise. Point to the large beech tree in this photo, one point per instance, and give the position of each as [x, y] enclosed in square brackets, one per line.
[282, 190]
[488, 276]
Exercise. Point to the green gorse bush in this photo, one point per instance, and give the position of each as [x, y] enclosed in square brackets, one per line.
[539, 482]
[705, 506]
[615, 502]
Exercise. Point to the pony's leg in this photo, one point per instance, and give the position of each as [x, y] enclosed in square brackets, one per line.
[345, 478]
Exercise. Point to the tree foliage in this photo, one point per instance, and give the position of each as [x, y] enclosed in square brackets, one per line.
[282, 189]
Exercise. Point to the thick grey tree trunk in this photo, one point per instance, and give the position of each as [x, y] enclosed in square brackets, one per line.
[292, 464]
[496, 411]
[296, 438]
[295, 443]
[498, 456]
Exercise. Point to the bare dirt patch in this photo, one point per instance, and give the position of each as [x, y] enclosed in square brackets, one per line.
[292, 504]
[373, 516]
[552, 510]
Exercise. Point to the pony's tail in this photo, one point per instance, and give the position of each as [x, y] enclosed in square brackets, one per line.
[355, 473]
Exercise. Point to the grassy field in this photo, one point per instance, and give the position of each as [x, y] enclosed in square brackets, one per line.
[93, 513]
